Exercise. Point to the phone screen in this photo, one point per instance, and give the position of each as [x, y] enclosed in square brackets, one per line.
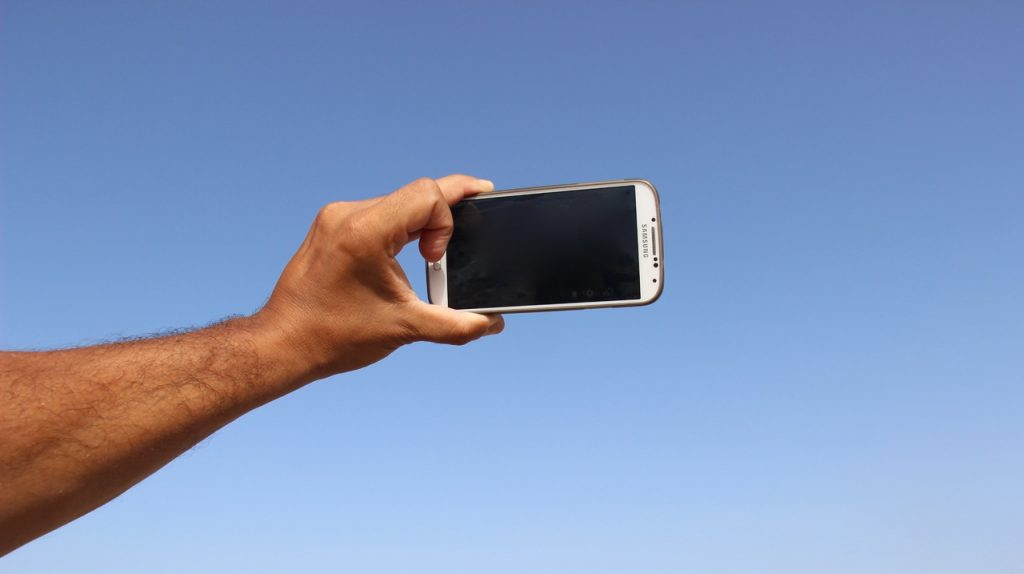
[544, 248]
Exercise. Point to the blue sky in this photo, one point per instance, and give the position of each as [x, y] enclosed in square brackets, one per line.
[832, 380]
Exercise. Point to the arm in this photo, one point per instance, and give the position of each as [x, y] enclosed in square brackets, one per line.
[78, 427]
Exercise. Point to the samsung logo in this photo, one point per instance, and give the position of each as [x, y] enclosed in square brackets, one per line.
[645, 240]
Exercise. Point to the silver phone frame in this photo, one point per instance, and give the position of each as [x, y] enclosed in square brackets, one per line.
[654, 259]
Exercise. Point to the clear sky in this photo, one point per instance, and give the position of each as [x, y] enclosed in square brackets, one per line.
[833, 380]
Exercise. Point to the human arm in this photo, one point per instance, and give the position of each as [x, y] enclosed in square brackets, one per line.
[80, 426]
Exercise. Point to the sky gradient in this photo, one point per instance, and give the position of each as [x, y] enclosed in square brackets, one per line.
[832, 381]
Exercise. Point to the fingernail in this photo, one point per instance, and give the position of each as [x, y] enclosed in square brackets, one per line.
[484, 185]
[494, 328]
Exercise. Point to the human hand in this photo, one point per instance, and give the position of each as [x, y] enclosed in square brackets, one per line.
[344, 302]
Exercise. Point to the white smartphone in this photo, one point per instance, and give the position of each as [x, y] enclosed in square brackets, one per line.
[576, 246]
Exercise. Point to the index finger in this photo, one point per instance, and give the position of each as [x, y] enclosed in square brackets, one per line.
[423, 208]
[457, 186]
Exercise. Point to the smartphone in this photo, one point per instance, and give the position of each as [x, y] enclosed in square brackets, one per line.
[576, 246]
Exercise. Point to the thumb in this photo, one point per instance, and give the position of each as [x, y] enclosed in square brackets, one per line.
[443, 325]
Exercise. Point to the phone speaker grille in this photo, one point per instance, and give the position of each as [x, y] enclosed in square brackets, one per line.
[654, 242]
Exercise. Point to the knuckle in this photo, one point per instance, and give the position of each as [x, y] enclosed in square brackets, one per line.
[426, 188]
[330, 214]
[345, 228]
[425, 184]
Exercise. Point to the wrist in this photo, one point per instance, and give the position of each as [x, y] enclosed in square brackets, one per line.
[284, 362]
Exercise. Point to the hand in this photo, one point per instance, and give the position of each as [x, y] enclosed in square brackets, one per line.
[343, 301]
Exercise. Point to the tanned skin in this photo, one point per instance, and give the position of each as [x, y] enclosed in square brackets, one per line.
[80, 426]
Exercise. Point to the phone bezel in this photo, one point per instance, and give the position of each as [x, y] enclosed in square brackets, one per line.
[652, 262]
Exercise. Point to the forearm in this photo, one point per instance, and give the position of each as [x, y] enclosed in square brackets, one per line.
[80, 426]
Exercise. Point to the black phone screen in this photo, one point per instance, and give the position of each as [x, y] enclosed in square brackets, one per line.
[544, 248]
